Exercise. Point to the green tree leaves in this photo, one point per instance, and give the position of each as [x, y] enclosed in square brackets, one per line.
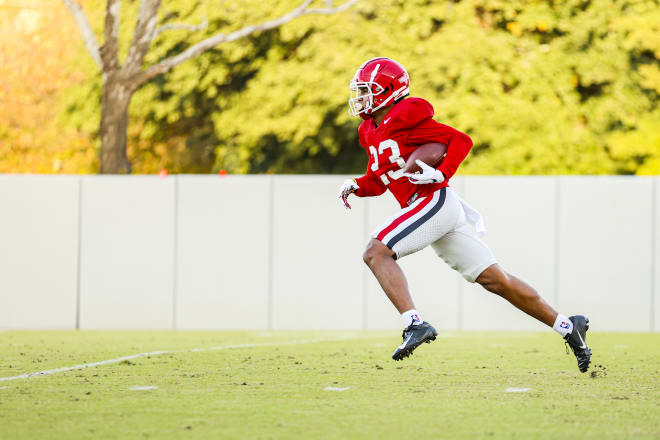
[549, 87]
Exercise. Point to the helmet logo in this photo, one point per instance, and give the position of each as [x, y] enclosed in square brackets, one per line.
[375, 72]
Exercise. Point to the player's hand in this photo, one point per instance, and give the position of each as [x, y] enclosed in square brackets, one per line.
[428, 175]
[347, 188]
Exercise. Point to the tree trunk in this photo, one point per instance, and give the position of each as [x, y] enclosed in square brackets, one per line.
[114, 124]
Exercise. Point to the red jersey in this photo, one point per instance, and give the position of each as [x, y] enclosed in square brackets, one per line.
[406, 126]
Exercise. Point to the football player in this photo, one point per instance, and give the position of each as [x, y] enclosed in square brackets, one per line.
[393, 126]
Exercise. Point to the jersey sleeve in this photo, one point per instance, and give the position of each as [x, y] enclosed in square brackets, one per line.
[458, 143]
[370, 184]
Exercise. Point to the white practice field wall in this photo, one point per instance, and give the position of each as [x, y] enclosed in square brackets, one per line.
[279, 252]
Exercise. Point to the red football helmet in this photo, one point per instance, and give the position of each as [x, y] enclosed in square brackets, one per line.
[377, 83]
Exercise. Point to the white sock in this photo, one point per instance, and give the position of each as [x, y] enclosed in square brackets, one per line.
[411, 317]
[563, 325]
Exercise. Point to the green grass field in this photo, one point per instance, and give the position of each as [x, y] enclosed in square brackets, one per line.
[277, 388]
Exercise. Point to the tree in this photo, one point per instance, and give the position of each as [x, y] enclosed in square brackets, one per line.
[121, 81]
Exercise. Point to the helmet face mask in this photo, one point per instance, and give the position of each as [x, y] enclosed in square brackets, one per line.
[376, 84]
[362, 97]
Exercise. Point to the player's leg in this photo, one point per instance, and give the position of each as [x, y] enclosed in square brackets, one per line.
[409, 231]
[387, 271]
[527, 299]
[518, 293]
[380, 260]
[402, 234]
[466, 253]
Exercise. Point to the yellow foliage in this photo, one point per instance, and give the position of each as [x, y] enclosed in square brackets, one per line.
[37, 43]
[515, 28]
[651, 77]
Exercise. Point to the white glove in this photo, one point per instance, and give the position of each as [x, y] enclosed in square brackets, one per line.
[428, 175]
[347, 188]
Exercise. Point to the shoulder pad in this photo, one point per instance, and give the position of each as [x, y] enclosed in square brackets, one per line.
[410, 112]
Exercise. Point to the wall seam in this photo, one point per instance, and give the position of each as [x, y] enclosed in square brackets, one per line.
[654, 251]
[557, 240]
[79, 259]
[271, 272]
[175, 256]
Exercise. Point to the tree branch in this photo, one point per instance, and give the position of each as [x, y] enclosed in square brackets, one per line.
[86, 30]
[145, 31]
[204, 45]
[188, 27]
[110, 46]
[327, 11]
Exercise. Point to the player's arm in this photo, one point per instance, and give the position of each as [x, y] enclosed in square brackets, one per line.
[368, 185]
[458, 143]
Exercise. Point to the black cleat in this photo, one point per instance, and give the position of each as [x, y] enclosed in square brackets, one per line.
[577, 340]
[413, 336]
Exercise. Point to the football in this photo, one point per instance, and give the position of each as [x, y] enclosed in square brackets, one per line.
[431, 154]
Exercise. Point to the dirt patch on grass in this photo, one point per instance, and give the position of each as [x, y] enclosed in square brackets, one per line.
[598, 371]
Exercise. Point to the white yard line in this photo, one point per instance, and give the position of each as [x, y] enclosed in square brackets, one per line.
[336, 388]
[516, 390]
[81, 366]
[160, 352]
